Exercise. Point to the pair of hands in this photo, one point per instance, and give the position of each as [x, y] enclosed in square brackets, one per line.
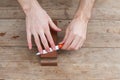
[38, 24]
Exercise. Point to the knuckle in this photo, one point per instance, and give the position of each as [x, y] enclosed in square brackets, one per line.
[67, 49]
[46, 28]
[77, 35]
[28, 28]
[33, 31]
[43, 39]
[84, 38]
[46, 47]
[72, 48]
[44, 42]
[37, 40]
[52, 43]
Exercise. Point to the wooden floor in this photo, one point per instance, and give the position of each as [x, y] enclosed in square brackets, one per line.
[98, 59]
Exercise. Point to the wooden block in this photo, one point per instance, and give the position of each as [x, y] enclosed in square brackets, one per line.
[50, 59]
[49, 62]
[50, 55]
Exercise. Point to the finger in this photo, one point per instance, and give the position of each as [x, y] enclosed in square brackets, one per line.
[37, 42]
[44, 41]
[53, 26]
[68, 41]
[64, 39]
[49, 38]
[79, 45]
[28, 34]
[74, 43]
[29, 40]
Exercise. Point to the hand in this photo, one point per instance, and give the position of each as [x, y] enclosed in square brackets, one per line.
[75, 34]
[37, 24]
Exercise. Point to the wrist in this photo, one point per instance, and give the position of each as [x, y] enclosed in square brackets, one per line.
[31, 5]
[82, 16]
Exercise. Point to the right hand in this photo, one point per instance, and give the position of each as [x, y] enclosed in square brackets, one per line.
[38, 24]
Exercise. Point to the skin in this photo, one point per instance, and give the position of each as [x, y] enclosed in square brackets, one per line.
[76, 30]
[38, 24]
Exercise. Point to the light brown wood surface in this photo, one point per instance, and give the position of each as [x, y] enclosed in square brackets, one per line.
[98, 59]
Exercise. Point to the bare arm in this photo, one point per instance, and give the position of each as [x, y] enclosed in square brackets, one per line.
[27, 5]
[37, 24]
[76, 30]
[85, 9]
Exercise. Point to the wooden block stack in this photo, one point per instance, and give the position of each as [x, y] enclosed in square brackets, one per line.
[50, 59]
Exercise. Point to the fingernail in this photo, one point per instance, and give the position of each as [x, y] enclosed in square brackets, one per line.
[30, 46]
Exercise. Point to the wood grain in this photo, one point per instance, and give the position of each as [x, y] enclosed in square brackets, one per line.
[81, 56]
[97, 14]
[98, 59]
[64, 9]
[87, 62]
[63, 3]
[103, 33]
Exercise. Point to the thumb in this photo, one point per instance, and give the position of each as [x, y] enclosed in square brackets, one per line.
[53, 26]
[65, 38]
[62, 42]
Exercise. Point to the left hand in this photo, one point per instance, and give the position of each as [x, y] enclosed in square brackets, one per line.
[75, 34]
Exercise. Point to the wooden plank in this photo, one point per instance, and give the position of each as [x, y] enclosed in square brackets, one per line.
[107, 4]
[50, 55]
[43, 3]
[97, 14]
[100, 33]
[63, 9]
[83, 55]
[87, 62]
[64, 3]
[18, 54]
[87, 71]
[49, 62]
